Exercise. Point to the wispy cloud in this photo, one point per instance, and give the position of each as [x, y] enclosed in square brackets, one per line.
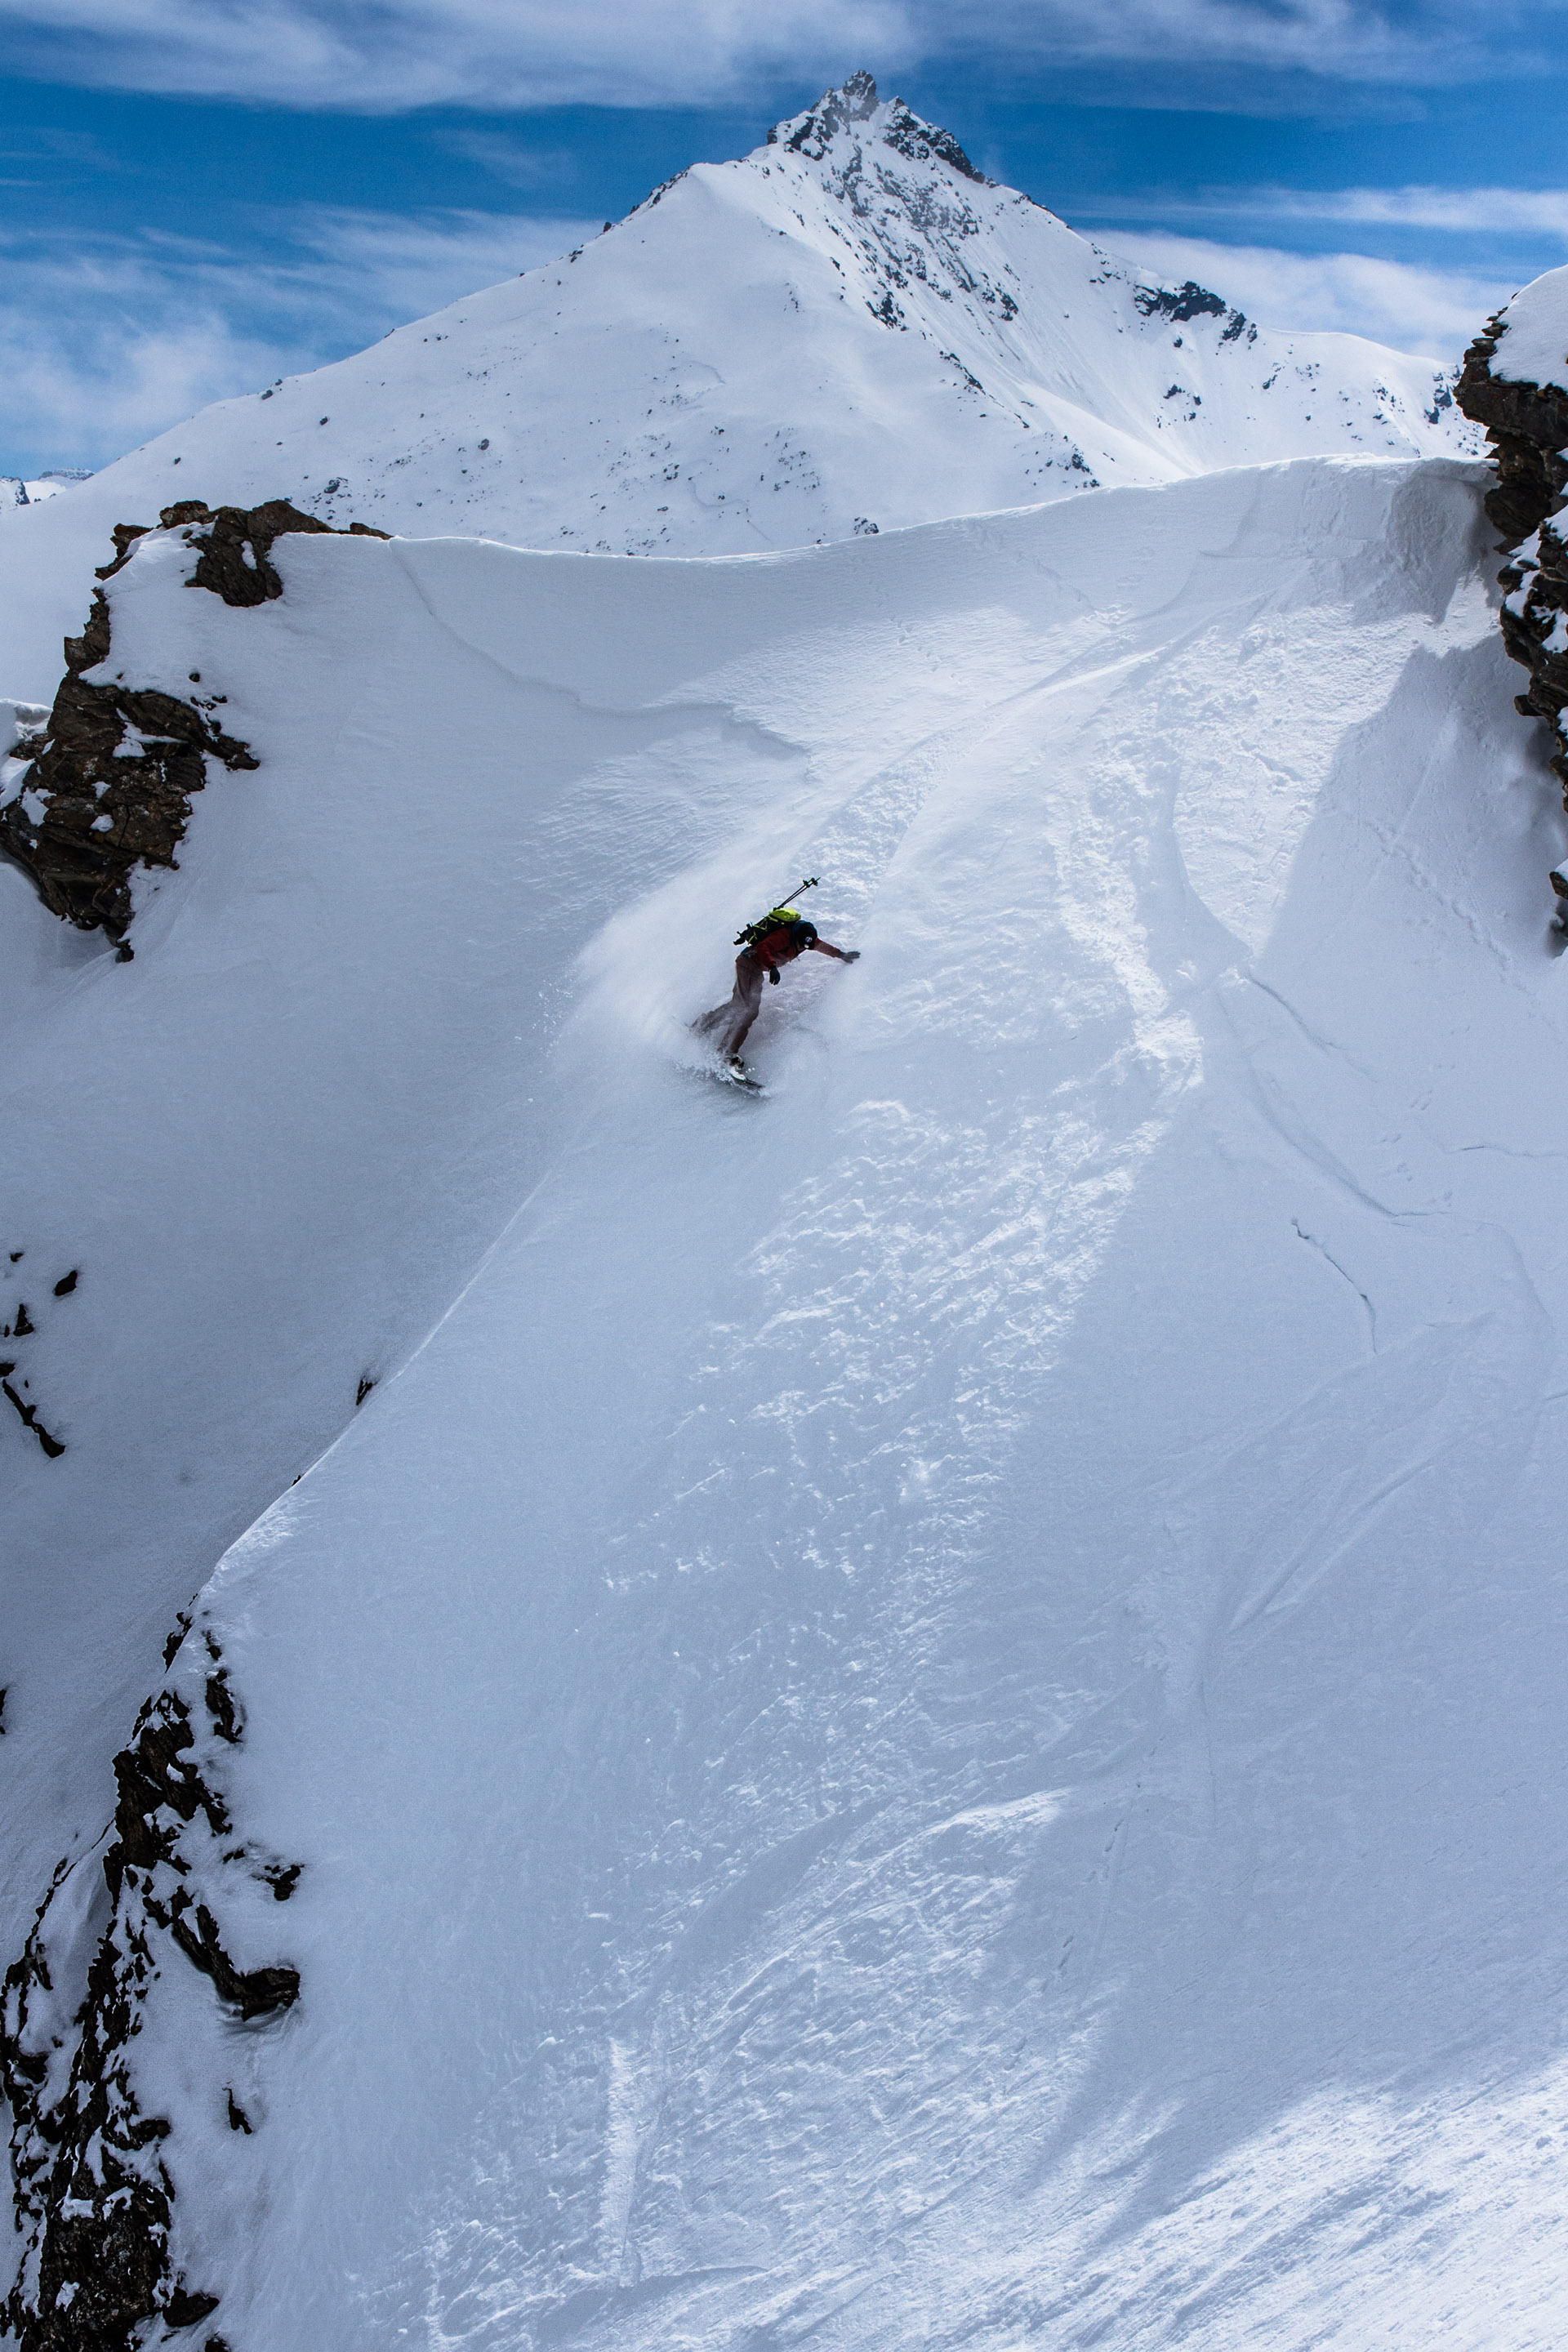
[1348, 41]
[107, 342]
[1458, 211]
[1432, 311]
[1462, 212]
[394, 54]
[512, 162]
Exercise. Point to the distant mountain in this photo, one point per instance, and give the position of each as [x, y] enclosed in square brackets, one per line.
[15, 491]
[848, 329]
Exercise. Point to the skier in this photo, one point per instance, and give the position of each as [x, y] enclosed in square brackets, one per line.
[780, 936]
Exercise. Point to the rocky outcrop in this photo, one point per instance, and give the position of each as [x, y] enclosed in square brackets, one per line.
[1527, 434]
[1190, 300]
[109, 779]
[93, 2194]
[107, 787]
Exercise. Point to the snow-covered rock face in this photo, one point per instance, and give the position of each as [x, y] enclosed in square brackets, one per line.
[882, 1705]
[1514, 381]
[100, 788]
[849, 330]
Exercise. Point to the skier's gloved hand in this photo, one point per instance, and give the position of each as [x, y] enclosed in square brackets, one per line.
[774, 973]
[848, 955]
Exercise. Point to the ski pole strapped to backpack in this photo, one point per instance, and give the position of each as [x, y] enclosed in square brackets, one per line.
[774, 917]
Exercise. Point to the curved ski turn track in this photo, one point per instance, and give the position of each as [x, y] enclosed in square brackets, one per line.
[926, 1711]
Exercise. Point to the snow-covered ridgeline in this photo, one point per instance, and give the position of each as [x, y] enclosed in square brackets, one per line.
[848, 328]
[877, 1719]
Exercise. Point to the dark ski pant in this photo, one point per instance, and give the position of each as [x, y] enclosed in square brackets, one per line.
[731, 1023]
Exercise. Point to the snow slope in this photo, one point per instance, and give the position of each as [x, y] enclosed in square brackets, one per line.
[849, 328]
[927, 1710]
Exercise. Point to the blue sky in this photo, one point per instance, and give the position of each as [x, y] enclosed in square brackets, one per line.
[200, 195]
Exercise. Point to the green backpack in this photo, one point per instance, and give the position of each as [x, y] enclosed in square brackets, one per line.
[774, 917]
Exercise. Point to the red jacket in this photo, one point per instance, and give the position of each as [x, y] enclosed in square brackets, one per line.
[779, 946]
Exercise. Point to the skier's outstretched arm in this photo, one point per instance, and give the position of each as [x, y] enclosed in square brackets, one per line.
[841, 955]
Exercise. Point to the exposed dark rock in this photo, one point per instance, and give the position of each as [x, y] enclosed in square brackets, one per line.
[234, 543]
[254, 1992]
[124, 535]
[920, 140]
[1188, 302]
[183, 2309]
[1192, 300]
[93, 2195]
[1527, 433]
[854, 103]
[110, 787]
[837, 110]
[238, 2119]
[226, 1718]
[52, 1445]
[66, 1283]
[91, 809]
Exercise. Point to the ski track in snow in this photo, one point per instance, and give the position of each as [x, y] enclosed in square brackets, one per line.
[926, 1711]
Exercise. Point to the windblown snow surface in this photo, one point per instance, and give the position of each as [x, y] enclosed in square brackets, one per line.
[926, 1710]
[849, 330]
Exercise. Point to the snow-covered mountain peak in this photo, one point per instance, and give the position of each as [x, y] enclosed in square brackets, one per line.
[855, 113]
[849, 330]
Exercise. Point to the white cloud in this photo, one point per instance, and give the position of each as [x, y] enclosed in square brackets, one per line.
[102, 346]
[1347, 39]
[394, 266]
[391, 55]
[400, 54]
[1460, 212]
[1431, 311]
[1464, 212]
